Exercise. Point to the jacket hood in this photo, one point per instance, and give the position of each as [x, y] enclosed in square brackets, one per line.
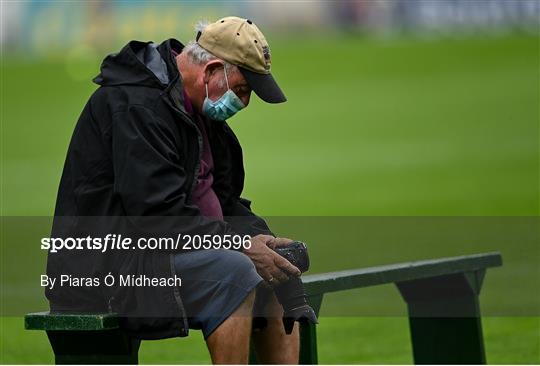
[141, 63]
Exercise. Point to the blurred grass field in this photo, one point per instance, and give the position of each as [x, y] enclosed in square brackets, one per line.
[397, 127]
[340, 341]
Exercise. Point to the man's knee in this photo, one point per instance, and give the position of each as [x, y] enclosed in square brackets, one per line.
[245, 309]
[249, 301]
[242, 269]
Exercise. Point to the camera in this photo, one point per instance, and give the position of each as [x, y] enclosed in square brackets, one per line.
[291, 294]
[296, 253]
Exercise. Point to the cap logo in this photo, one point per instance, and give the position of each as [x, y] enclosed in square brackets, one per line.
[266, 53]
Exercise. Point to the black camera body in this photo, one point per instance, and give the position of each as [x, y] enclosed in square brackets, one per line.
[291, 294]
[296, 253]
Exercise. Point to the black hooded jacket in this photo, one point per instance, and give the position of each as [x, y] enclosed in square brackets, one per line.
[131, 167]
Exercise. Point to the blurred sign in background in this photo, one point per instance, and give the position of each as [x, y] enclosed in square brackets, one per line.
[47, 25]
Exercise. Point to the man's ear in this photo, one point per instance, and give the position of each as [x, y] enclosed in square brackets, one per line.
[210, 68]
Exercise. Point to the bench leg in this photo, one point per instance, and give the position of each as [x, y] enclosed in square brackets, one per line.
[308, 344]
[444, 318]
[93, 347]
[308, 335]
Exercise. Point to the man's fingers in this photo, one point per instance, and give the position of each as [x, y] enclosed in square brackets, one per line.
[266, 275]
[262, 237]
[286, 266]
[274, 277]
[278, 242]
[279, 277]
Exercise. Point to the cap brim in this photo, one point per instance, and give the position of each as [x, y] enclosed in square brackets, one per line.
[264, 86]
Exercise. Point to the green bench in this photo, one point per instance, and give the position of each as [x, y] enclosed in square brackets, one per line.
[441, 296]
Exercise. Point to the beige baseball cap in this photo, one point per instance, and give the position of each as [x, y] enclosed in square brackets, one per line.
[239, 42]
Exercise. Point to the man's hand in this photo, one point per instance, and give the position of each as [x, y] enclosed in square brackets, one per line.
[270, 265]
[278, 242]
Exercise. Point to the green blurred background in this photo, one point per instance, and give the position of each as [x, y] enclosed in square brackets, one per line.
[404, 122]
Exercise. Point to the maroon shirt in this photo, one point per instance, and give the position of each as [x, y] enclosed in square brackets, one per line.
[203, 194]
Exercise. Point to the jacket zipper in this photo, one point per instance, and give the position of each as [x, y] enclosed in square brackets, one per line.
[176, 292]
[199, 146]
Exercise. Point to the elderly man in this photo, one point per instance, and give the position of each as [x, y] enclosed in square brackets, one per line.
[152, 141]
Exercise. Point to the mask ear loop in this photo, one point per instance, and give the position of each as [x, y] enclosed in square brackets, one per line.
[226, 80]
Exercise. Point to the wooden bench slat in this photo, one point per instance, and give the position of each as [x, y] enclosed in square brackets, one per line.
[344, 280]
[60, 321]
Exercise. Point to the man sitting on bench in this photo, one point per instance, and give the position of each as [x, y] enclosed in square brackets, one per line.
[152, 141]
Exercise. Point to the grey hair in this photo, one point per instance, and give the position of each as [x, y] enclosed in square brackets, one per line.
[199, 55]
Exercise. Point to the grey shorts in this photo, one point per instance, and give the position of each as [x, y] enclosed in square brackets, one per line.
[214, 284]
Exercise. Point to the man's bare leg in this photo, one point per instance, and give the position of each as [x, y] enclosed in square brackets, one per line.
[272, 344]
[229, 343]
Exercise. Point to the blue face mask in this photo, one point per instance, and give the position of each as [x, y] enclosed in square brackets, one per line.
[223, 108]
